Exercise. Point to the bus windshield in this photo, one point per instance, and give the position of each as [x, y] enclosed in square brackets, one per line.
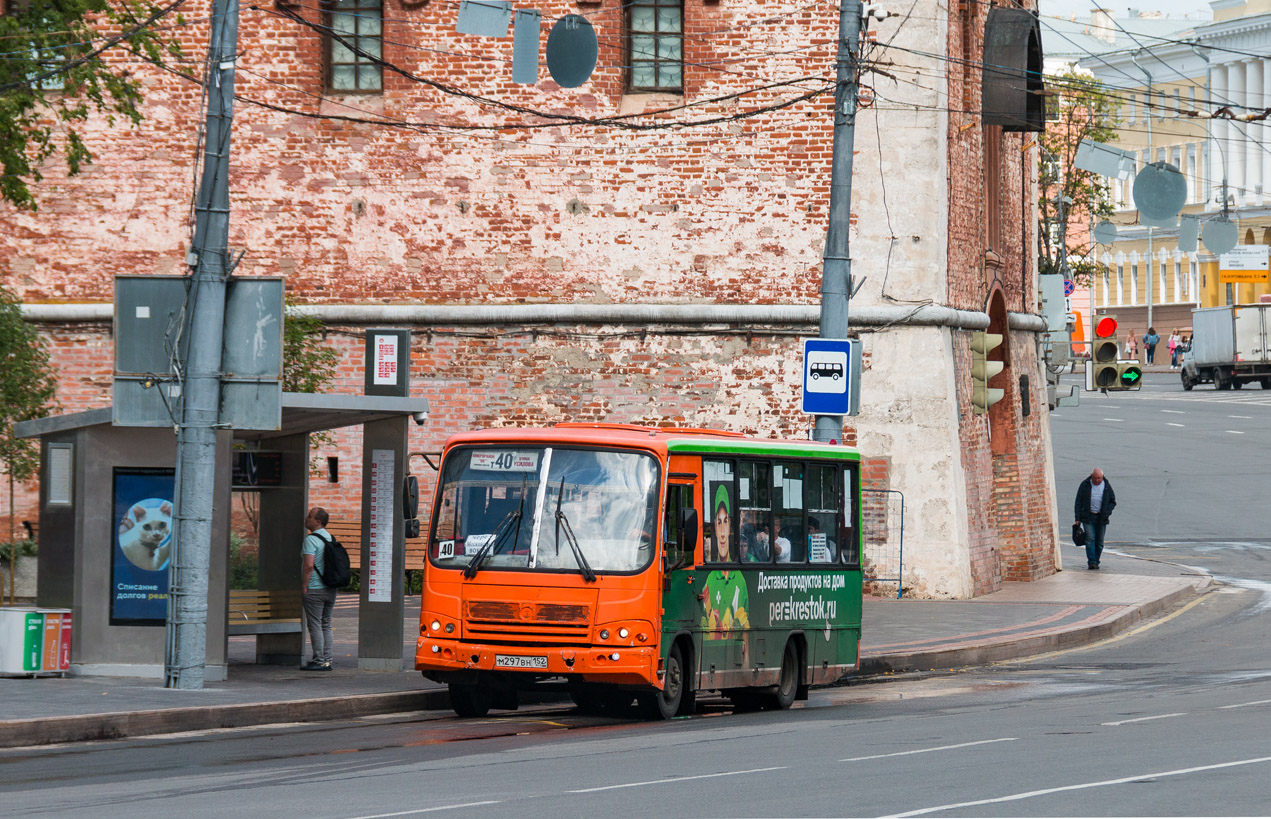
[517, 508]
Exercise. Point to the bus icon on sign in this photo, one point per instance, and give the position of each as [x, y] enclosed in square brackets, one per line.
[825, 369]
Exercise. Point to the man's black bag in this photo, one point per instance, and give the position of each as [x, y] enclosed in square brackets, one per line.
[335, 560]
[1078, 534]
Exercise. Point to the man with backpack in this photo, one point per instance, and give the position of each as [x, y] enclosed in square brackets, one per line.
[318, 596]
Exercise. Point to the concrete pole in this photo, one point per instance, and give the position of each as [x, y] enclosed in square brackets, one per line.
[200, 400]
[836, 276]
[1151, 157]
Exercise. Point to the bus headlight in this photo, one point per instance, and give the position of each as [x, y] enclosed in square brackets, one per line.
[622, 632]
[436, 625]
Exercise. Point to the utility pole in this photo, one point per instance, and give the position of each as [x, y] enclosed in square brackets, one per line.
[836, 275]
[200, 376]
[1151, 259]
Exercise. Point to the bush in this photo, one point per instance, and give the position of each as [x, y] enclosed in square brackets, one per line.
[23, 548]
[244, 568]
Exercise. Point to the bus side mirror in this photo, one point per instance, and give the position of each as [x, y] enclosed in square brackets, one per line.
[688, 537]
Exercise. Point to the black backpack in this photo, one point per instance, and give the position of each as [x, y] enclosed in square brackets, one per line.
[335, 559]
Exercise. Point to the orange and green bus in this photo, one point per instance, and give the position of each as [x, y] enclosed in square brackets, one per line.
[641, 563]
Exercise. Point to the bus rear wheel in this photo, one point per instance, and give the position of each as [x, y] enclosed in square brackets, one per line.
[788, 684]
[664, 704]
[470, 700]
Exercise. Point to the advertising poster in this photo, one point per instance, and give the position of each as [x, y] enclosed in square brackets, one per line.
[141, 526]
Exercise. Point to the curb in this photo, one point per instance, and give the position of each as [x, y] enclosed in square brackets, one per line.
[123, 724]
[1025, 647]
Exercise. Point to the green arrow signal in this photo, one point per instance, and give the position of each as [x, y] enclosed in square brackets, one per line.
[1130, 376]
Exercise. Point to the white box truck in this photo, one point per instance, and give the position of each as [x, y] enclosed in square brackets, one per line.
[1231, 347]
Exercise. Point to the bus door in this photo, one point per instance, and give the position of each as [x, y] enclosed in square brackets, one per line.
[681, 529]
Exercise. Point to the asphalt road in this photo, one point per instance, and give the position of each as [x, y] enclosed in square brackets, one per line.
[1185, 465]
[1171, 719]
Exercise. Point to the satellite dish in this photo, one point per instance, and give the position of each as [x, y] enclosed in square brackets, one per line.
[1160, 191]
[1105, 233]
[571, 51]
[1220, 235]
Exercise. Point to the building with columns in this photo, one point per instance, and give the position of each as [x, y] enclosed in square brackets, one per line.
[1190, 99]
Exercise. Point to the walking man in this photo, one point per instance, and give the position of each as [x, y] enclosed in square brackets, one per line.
[319, 598]
[1094, 505]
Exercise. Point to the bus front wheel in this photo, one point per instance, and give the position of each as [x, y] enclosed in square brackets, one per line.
[665, 704]
[469, 700]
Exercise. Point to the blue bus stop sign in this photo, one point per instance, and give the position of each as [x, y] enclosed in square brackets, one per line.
[831, 376]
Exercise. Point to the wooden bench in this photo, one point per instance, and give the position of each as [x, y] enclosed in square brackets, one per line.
[264, 612]
[349, 533]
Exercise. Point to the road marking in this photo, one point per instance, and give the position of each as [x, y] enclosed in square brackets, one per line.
[1145, 719]
[1245, 704]
[427, 810]
[1244, 417]
[1174, 412]
[1118, 420]
[673, 779]
[1235, 432]
[1127, 635]
[929, 750]
[1168, 424]
[1046, 791]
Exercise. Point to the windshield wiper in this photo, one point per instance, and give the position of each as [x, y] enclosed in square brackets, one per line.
[501, 533]
[583, 566]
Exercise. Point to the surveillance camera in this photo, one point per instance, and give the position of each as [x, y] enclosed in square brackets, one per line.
[420, 417]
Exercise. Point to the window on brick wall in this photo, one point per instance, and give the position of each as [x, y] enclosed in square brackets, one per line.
[655, 45]
[355, 46]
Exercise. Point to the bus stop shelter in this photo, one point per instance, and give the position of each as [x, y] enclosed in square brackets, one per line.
[101, 521]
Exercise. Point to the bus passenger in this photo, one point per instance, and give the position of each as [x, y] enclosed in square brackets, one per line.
[782, 547]
[821, 547]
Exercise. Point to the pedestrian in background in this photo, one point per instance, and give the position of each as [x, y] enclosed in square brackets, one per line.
[318, 597]
[1132, 346]
[1094, 505]
[1174, 343]
[1149, 345]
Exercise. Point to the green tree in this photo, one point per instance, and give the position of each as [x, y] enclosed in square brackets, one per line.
[308, 364]
[58, 67]
[26, 391]
[1080, 107]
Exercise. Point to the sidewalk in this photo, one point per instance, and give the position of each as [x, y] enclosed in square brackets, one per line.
[1072, 608]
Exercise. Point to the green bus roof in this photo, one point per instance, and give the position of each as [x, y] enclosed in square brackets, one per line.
[743, 446]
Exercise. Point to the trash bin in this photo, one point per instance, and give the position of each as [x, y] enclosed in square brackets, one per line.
[34, 641]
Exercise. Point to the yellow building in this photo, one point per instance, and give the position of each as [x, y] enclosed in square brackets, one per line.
[1170, 86]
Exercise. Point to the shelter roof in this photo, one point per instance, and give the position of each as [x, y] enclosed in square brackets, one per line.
[301, 413]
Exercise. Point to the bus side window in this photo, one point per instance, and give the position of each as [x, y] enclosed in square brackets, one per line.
[850, 552]
[822, 496]
[788, 505]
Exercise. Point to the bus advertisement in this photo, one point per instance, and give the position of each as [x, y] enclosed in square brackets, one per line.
[641, 563]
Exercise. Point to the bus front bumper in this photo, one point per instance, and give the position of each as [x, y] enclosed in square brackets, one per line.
[622, 665]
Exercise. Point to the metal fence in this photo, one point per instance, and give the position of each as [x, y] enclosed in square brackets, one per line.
[883, 560]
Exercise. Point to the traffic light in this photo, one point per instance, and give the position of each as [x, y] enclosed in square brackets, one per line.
[1103, 371]
[1106, 371]
[982, 371]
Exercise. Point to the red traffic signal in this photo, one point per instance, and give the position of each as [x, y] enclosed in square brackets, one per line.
[1105, 327]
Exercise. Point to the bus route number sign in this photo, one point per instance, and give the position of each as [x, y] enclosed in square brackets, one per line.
[504, 461]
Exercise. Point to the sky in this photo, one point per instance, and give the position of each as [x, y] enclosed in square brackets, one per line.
[1199, 9]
